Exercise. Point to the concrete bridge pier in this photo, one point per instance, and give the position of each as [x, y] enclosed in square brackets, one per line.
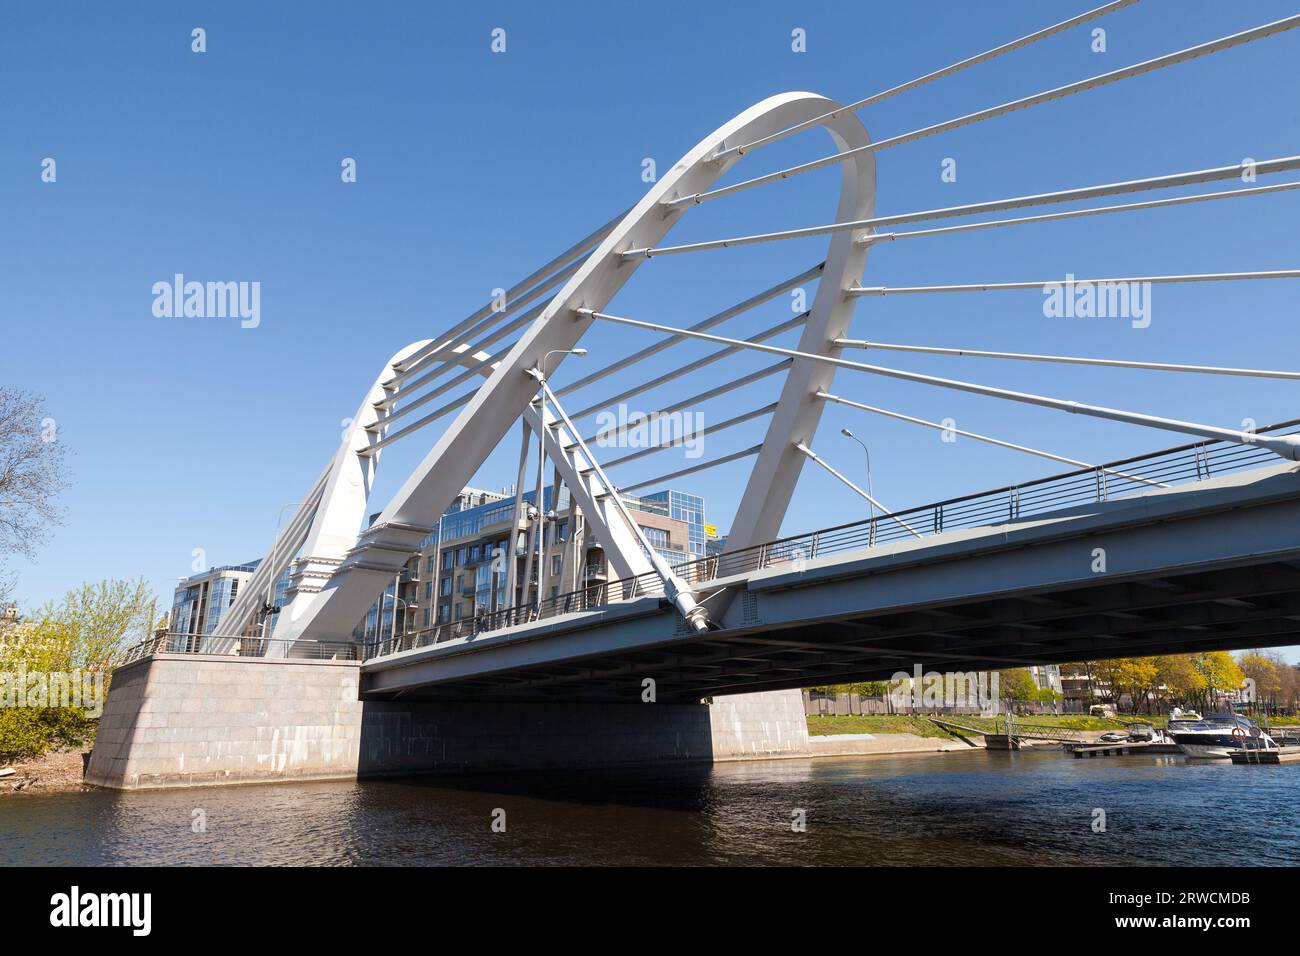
[180, 720]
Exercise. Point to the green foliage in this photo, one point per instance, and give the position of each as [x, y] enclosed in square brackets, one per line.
[86, 632]
[1220, 671]
[875, 688]
[1017, 684]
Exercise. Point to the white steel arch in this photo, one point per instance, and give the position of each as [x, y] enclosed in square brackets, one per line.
[324, 526]
[333, 610]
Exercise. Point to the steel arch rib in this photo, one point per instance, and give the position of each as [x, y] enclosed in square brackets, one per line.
[288, 541]
[414, 510]
[325, 526]
[776, 472]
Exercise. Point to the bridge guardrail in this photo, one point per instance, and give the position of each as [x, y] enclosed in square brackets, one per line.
[242, 647]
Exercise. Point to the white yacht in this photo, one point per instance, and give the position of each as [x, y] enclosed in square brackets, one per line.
[1218, 735]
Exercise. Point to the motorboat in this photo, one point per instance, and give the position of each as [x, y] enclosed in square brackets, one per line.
[1218, 735]
[1136, 732]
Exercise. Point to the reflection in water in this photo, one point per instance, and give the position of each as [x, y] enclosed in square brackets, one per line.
[973, 808]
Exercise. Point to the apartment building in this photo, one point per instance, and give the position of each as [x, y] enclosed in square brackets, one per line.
[200, 600]
[463, 569]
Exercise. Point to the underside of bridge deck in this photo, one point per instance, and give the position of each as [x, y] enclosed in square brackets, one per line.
[1222, 608]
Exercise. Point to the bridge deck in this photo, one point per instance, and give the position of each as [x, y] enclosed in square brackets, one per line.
[1215, 564]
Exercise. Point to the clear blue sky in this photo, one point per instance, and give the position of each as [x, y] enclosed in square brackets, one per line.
[473, 168]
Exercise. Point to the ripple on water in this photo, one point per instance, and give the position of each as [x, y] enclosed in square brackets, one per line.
[973, 808]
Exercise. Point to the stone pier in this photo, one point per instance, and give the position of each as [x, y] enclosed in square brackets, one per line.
[178, 720]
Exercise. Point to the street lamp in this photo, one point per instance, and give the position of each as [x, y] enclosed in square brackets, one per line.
[871, 491]
[541, 469]
[437, 576]
[392, 631]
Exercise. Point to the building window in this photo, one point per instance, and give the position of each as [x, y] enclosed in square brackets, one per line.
[448, 558]
[657, 537]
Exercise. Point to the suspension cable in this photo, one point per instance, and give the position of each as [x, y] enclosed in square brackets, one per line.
[1286, 447]
[928, 78]
[1066, 359]
[1060, 92]
[1216, 174]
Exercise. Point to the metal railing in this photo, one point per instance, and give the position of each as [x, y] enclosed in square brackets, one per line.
[1184, 464]
[243, 647]
[423, 638]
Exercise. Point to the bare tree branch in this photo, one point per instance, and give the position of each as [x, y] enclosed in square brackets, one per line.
[32, 472]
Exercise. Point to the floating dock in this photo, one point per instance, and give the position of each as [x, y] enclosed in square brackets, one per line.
[1271, 756]
[1125, 749]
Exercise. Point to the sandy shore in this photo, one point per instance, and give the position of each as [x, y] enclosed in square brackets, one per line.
[54, 773]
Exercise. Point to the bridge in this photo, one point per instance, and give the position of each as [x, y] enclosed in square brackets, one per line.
[1193, 547]
[500, 370]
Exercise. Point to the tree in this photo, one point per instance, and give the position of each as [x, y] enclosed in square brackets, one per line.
[84, 634]
[1134, 676]
[1221, 673]
[1266, 674]
[1180, 680]
[31, 471]
[97, 622]
[1017, 684]
[1289, 681]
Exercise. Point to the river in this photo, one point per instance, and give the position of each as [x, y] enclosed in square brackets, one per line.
[972, 808]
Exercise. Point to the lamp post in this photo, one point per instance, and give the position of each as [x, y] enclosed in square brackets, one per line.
[541, 469]
[437, 575]
[392, 630]
[871, 491]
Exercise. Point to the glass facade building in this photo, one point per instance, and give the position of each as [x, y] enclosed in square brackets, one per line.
[462, 569]
[200, 601]
[681, 506]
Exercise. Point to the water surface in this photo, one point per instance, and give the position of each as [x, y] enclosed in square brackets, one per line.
[974, 808]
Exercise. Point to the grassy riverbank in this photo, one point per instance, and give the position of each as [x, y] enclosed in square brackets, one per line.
[924, 727]
[892, 724]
